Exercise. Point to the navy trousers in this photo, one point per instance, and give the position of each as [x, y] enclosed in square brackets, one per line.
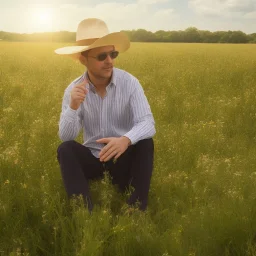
[134, 167]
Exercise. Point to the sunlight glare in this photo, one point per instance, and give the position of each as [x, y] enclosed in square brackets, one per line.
[42, 19]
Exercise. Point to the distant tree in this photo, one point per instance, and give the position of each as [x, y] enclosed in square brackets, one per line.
[142, 35]
[225, 37]
[234, 37]
[176, 36]
[238, 37]
[206, 36]
[64, 36]
[192, 35]
[216, 36]
[128, 33]
[161, 36]
[252, 38]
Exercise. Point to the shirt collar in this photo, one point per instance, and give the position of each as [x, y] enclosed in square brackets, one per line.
[112, 81]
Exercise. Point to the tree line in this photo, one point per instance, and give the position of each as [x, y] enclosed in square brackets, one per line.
[190, 35]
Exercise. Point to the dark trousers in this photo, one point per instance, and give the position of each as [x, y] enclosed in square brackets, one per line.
[134, 167]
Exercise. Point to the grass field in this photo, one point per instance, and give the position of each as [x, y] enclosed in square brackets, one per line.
[203, 190]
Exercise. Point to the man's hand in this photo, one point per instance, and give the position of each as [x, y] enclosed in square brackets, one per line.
[78, 94]
[115, 147]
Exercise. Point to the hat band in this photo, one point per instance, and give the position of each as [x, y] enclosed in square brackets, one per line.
[86, 42]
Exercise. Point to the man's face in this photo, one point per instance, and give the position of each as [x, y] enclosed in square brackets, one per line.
[99, 69]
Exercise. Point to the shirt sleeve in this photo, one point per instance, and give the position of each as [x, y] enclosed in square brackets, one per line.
[71, 120]
[144, 124]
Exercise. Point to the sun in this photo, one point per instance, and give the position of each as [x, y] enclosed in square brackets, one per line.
[42, 19]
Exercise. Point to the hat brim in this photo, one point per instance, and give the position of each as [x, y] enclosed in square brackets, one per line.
[119, 40]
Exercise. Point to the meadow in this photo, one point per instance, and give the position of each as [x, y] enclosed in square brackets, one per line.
[202, 199]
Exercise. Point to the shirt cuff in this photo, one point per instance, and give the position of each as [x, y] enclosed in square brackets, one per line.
[131, 136]
[70, 114]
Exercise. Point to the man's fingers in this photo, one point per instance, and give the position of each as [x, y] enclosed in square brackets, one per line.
[118, 155]
[79, 97]
[107, 158]
[80, 94]
[107, 153]
[104, 140]
[81, 89]
[85, 81]
[82, 86]
[105, 149]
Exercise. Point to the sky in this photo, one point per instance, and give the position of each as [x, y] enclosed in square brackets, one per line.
[28, 16]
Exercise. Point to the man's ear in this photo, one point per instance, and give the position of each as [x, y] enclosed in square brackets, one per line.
[83, 60]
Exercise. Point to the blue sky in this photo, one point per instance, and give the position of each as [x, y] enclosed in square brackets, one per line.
[27, 16]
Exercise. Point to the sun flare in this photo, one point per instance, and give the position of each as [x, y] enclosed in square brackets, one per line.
[42, 19]
[45, 17]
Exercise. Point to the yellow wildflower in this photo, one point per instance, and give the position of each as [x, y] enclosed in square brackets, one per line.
[6, 182]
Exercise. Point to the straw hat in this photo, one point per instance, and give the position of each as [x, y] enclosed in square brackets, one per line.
[92, 33]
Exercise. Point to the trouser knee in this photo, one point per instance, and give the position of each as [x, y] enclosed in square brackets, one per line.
[145, 145]
[65, 147]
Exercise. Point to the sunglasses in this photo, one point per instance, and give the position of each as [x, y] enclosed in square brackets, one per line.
[104, 55]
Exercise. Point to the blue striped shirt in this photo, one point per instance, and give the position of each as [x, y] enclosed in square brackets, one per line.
[124, 111]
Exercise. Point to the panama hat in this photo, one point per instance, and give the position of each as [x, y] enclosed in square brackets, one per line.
[92, 33]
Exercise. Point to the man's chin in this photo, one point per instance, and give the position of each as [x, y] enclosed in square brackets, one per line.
[103, 74]
[106, 73]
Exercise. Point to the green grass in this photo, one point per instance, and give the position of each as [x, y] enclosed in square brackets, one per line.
[203, 190]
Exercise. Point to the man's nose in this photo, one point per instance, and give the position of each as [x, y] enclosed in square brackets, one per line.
[108, 59]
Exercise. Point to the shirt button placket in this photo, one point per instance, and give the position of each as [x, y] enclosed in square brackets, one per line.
[103, 117]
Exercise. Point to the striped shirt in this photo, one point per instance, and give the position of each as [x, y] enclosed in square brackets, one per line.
[124, 111]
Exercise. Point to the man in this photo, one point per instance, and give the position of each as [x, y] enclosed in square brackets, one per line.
[111, 107]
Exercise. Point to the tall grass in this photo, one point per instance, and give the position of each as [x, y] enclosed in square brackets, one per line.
[203, 190]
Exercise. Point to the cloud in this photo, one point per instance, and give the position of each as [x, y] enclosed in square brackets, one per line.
[118, 16]
[240, 6]
[250, 15]
[152, 1]
[223, 7]
[68, 6]
[164, 13]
